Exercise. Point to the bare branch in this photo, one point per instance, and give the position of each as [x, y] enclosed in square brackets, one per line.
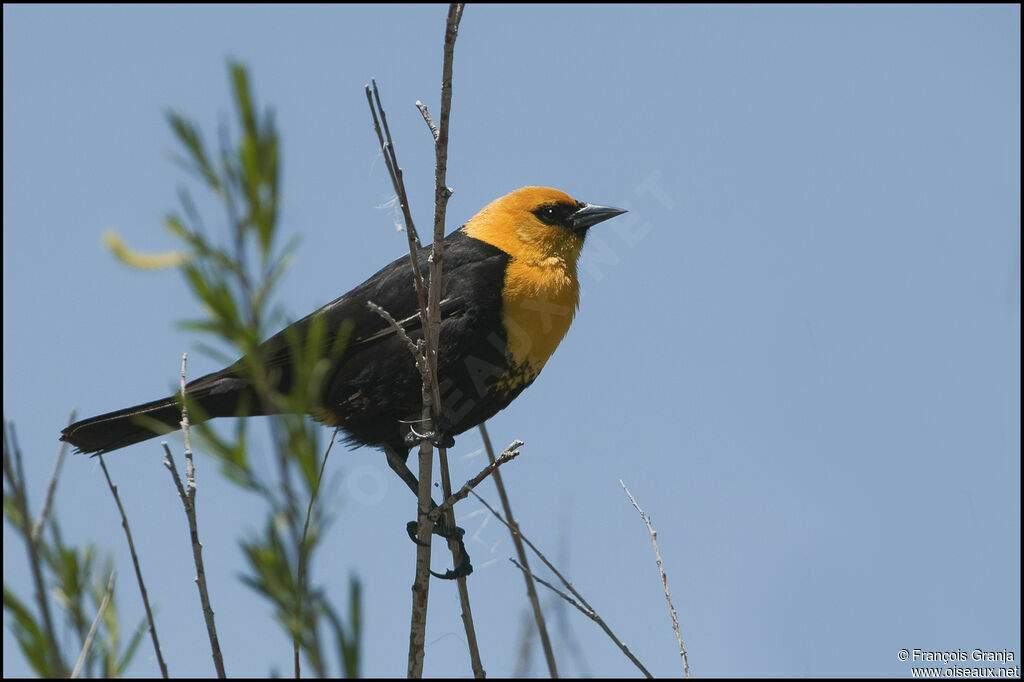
[190, 471]
[394, 170]
[585, 611]
[510, 453]
[169, 463]
[426, 117]
[138, 569]
[95, 624]
[410, 344]
[531, 591]
[188, 500]
[592, 614]
[433, 328]
[421, 585]
[430, 312]
[664, 579]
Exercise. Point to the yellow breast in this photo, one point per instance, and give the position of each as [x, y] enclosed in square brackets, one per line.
[540, 292]
[540, 300]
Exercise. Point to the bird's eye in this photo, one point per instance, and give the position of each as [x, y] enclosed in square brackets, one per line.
[548, 214]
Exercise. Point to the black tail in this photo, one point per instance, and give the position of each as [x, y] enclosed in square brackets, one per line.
[215, 395]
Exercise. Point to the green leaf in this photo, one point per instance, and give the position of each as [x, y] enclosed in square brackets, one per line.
[12, 512]
[29, 635]
[190, 138]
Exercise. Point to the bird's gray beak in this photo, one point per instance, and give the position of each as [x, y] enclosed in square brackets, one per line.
[589, 215]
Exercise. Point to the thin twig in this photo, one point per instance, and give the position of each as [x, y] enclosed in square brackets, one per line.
[510, 453]
[531, 591]
[169, 463]
[426, 117]
[197, 557]
[44, 513]
[138, 569]
[588, 608]
[190, 470]
[15, 475]
[188, 500]
[410, 344]
[95, 625]
[664, 579]
[421, 584]
[395, 171]
[585, 611]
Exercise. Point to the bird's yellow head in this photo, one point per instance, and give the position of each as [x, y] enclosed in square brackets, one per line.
[538, 225]
[542, 231]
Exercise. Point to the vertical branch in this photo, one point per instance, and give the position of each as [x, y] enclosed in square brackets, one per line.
[430, 314]
[424, 529]
[188, 499]
[531, 589]
[441, 194]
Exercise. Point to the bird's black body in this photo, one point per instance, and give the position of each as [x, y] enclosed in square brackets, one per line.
[509, 291]
[373, 389]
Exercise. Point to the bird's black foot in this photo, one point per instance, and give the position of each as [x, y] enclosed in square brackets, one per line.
[460, 571]
[442, 529]
[412, 528]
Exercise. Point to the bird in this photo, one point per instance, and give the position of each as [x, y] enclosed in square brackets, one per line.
[510, 290]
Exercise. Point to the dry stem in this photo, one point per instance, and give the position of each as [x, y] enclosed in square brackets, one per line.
[664, 579]
[586, 607]
[188, 499]
[138, 569]
[421, 585]
[433, 329]
[510, 453]
[531, 591]
[431, 318]
[95, 624]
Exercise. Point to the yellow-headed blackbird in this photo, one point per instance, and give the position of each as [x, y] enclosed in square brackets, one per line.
[509, 293]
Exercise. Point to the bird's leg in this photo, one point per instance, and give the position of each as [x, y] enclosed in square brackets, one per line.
[441, 528]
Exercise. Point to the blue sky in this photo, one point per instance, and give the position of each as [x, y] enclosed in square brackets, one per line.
[800, 349]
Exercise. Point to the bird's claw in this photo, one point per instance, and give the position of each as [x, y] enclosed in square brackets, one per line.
[412, 528]
[441, 529]
[460, 571]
